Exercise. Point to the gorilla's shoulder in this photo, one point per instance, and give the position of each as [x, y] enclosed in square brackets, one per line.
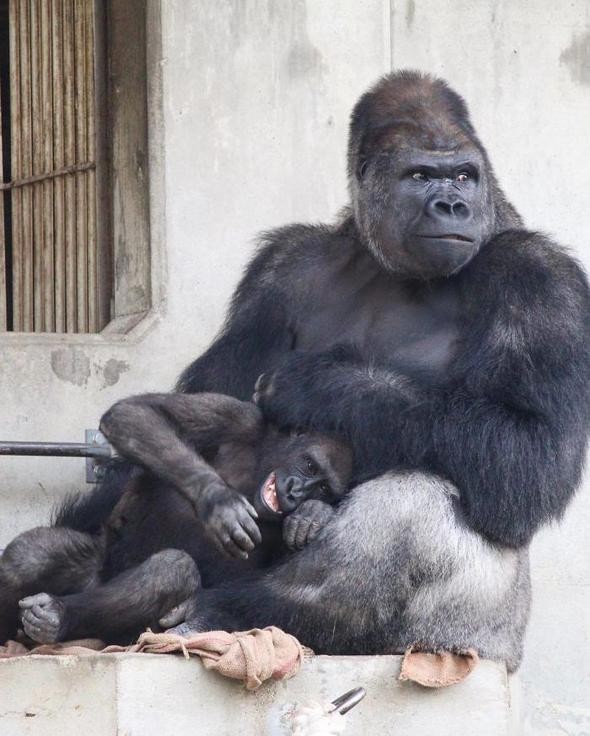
[524, 284]
[533, 264]
[295, 249]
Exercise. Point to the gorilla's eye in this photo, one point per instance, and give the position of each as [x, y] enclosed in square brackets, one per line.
[463, 177]
[311, 466]
[419, 176]
[325, 488]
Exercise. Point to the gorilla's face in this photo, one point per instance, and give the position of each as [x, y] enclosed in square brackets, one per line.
[424, 213]
[302, 467]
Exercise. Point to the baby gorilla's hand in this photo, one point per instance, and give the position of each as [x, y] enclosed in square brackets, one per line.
[304, 524]
[229, 520]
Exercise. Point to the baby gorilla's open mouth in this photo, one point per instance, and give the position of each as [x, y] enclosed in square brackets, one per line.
[268, 494]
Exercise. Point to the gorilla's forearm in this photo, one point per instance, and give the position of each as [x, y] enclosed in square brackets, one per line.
[516, 464]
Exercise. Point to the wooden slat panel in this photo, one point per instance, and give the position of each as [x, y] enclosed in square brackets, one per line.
[89, 45]
[35, 143]
[26, 168]
[47, 275]
[57, 21]
[3, 292]
[56, 268]
[14, 21]
[70, 159]
[81, 154]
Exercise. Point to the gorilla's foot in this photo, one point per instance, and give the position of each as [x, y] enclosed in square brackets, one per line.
[178, 614]
[194, 625]
[43, 618]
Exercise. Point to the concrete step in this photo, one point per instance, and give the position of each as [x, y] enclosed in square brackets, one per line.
[162, 695]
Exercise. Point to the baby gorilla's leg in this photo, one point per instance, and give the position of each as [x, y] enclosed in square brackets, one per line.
[53, 559]
[161, 588]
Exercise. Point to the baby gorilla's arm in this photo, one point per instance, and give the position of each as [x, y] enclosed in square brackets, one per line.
[161, 431]
[305, 523]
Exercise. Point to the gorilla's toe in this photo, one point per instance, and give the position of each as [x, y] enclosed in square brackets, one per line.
[42, 617]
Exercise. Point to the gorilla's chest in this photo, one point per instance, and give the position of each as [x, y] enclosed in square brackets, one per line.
[413, 327]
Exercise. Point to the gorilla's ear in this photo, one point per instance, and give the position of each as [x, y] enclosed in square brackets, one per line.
[362, 168]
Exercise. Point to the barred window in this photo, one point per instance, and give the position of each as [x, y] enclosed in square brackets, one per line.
[73, 179]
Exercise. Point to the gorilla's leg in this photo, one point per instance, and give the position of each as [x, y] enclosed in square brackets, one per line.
[395, 566]
[55, 559]
[161, 588]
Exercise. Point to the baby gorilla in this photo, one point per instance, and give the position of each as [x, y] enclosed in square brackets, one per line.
[212, 476]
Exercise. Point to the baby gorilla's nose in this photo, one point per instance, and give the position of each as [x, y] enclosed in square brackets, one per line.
[290, 490]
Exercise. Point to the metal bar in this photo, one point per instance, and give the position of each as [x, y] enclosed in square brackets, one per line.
[57, 449]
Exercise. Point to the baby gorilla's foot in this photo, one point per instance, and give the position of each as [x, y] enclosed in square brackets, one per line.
[178, 614]
[43, 618]
[187, 628]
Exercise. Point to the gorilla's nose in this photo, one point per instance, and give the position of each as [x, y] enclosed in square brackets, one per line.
[294, 486]
[445, 210]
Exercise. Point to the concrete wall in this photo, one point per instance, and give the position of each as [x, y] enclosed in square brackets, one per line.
[249, 104]
[150, 695]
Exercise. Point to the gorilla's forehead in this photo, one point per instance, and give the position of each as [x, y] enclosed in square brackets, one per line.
[417, 136]
[432, 156]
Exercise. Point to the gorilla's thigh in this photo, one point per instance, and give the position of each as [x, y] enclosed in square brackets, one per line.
[447, 585]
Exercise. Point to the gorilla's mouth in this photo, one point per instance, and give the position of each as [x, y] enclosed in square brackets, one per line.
[448, 236]
[268, 494]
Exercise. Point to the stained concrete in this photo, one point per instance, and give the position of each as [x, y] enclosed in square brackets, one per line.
[156, 695]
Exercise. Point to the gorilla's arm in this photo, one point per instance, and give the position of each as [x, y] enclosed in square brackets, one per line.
[164, 432]
[509, 426]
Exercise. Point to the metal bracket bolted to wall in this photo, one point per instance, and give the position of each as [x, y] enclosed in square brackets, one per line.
[96, 450]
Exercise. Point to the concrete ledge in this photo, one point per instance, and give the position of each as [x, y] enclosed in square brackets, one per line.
[150, 694]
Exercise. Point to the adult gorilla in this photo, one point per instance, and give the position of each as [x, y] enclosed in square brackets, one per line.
[451, 347]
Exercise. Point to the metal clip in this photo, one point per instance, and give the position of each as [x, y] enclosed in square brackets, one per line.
[347, 701]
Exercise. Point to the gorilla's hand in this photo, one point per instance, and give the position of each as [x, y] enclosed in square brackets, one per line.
[297, 392]
[305, 523]
[229, 520]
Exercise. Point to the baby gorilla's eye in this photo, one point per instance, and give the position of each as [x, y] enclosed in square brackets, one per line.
[463, 177]
[324, 488]
[312, 467]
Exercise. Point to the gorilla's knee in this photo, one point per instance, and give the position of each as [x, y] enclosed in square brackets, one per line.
[174, 562]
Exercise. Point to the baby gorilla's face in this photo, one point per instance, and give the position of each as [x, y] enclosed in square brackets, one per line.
[302, 467]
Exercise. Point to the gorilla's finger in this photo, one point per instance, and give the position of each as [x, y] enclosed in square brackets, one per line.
[252, 530]
[312, 531]
[301, 534]
[231, 548]
[45, 614]
[243, 541]
[249, 508]
[31, 600]
[289, 530]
